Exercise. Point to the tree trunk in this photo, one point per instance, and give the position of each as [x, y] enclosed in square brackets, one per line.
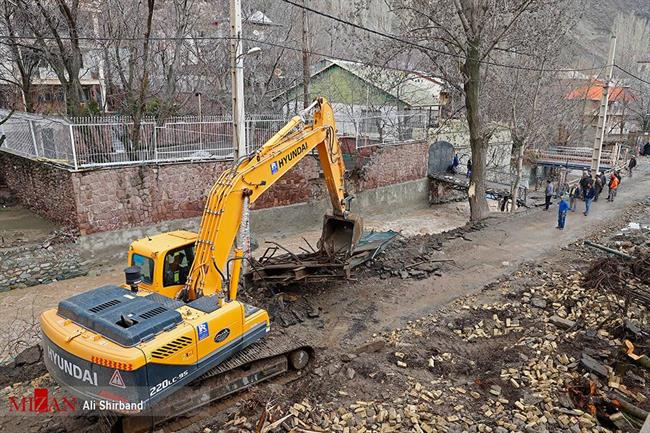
[28, 96]
[478, 205]
[73, 97]
[141, 103]
[520, 168]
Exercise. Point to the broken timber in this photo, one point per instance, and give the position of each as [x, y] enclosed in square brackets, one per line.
[316, 265]
[609, 250]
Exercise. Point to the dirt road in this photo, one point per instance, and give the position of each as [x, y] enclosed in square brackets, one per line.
[479, 258]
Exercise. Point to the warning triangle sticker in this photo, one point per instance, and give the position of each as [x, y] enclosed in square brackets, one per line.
[116, 380]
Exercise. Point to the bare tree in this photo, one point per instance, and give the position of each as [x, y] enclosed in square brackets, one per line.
[128, 29]
[463, 41]
[57, 27]
[24, 55]
[633, 55]
[531, 99]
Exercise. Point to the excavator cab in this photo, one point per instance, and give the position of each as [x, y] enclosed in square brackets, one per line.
[340, 235]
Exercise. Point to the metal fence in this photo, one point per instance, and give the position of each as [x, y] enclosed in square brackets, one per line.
[391, 129]
[87, 142]
[36, 136]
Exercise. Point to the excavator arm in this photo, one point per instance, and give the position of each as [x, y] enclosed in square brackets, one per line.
[244, 183]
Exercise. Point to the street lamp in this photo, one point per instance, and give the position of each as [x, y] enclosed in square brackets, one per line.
[254, 50]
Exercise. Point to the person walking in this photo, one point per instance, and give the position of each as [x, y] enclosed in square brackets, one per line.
[590, 193]
[598, 184]
[584, 181]
[613, 187]
[469, 167]
[455, 163]
[574, 195]
[562, 211]
[549, 194]
[631, 165]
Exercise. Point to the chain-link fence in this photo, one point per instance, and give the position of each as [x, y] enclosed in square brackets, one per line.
[37, 136]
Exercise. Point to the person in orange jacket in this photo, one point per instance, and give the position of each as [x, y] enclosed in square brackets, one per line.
[613, 186]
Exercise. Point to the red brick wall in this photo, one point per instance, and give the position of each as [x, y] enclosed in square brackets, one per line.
[297, 186]
[122, 197]
[41, 187]
[388, 165]
[110, 199]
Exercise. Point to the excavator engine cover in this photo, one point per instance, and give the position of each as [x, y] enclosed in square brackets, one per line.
[340, 235]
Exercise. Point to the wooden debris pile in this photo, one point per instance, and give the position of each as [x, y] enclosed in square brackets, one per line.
[280, 266]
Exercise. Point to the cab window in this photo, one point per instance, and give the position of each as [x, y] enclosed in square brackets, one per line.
[177, 265]
[146, 267]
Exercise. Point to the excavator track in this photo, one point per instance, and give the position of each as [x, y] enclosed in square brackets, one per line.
[259, 362]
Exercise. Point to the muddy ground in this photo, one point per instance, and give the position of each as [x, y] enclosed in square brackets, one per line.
[421, 351]
[494, 360]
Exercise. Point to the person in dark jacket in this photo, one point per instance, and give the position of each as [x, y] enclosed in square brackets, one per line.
[631, 165]
[590, 193]
[548, 194]
[584, 181]
[562, 211]
[598, 184]
[455, 163]
[469, 167]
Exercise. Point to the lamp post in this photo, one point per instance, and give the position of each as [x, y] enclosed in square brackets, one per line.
[239, 119]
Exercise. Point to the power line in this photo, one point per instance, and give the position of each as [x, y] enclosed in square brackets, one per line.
[222, 38]
[631, 74]
[273, 44]
[427, 48]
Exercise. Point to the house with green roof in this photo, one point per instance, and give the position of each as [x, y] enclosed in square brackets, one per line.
[371, 100]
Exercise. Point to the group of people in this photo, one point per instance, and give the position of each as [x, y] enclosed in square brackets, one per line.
[589, 189]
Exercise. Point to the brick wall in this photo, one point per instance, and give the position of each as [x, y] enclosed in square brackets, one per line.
[110, 199]
[41, 187]
[131, 196]
[388, 165]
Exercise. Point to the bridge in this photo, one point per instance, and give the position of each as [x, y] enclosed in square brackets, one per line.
[575, 158]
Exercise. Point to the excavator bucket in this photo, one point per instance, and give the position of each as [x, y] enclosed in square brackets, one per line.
[340, 235]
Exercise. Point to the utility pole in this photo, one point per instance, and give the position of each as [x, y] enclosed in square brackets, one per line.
[198, 95]
[239, 120]
[604, 106]
[306, 62]
[237, 70]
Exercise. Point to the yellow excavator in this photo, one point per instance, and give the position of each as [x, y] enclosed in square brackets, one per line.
[177, 320]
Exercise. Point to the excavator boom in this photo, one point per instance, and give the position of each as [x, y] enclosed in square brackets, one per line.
[241, 185]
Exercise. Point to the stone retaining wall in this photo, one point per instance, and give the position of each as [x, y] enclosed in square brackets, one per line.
[29, 265]
[42, 187]
[114, 198]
